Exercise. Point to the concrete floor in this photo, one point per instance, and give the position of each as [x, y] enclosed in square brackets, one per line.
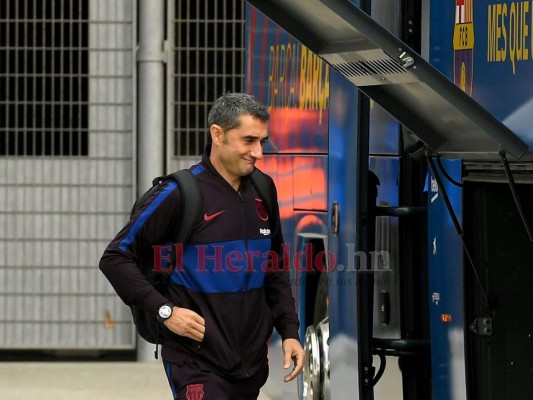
[112, 380]
[92, 380]
[82, 380]
[121, 380]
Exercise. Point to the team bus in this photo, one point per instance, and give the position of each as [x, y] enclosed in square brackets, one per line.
[401, 143]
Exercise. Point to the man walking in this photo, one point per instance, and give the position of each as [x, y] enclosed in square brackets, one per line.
[228, 293]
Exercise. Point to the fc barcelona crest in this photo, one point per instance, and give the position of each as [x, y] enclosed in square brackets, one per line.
[261, 209]
[463, 45]
[195, 392]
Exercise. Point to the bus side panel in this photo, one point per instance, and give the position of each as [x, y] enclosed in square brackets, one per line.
[471, 42]
[292, 82]
[446, 290]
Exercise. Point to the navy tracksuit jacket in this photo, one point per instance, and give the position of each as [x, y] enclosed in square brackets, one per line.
[225, 276]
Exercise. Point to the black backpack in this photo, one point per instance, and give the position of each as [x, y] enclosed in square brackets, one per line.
[146, 322]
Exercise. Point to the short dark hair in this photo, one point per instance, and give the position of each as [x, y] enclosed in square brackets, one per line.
[228, 108]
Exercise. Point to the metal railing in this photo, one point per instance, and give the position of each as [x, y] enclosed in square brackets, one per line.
[206, 43]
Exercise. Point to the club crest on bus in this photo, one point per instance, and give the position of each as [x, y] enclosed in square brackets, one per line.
[463, 45]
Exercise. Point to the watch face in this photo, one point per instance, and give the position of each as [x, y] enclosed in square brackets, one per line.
[165, 311]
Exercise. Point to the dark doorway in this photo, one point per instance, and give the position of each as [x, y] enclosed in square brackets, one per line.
[499, 360]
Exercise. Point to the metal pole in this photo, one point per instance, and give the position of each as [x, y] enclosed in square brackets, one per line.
[150, 68]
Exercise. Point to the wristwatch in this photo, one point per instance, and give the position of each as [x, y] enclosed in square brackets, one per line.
[164, 312]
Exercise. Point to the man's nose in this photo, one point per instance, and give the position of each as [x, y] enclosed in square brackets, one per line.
[257, 151]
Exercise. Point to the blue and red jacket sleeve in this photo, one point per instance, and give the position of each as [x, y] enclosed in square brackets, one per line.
[152, 225]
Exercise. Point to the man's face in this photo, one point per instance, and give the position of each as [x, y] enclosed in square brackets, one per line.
[240, 148]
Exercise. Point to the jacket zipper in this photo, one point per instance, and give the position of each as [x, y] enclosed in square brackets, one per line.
[246, 284]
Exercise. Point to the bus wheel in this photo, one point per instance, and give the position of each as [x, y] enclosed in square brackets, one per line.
[316, 385]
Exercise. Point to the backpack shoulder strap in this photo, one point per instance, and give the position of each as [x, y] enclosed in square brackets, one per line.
[191, 201]
[262, 186]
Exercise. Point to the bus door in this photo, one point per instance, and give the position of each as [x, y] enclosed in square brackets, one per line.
[344, 204]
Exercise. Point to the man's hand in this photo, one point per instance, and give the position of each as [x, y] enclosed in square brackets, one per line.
[185, 322]
[292, 349]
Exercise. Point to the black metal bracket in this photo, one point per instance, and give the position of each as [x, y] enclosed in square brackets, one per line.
[482, 326]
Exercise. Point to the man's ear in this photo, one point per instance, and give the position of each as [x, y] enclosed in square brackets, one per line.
[217, 134]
